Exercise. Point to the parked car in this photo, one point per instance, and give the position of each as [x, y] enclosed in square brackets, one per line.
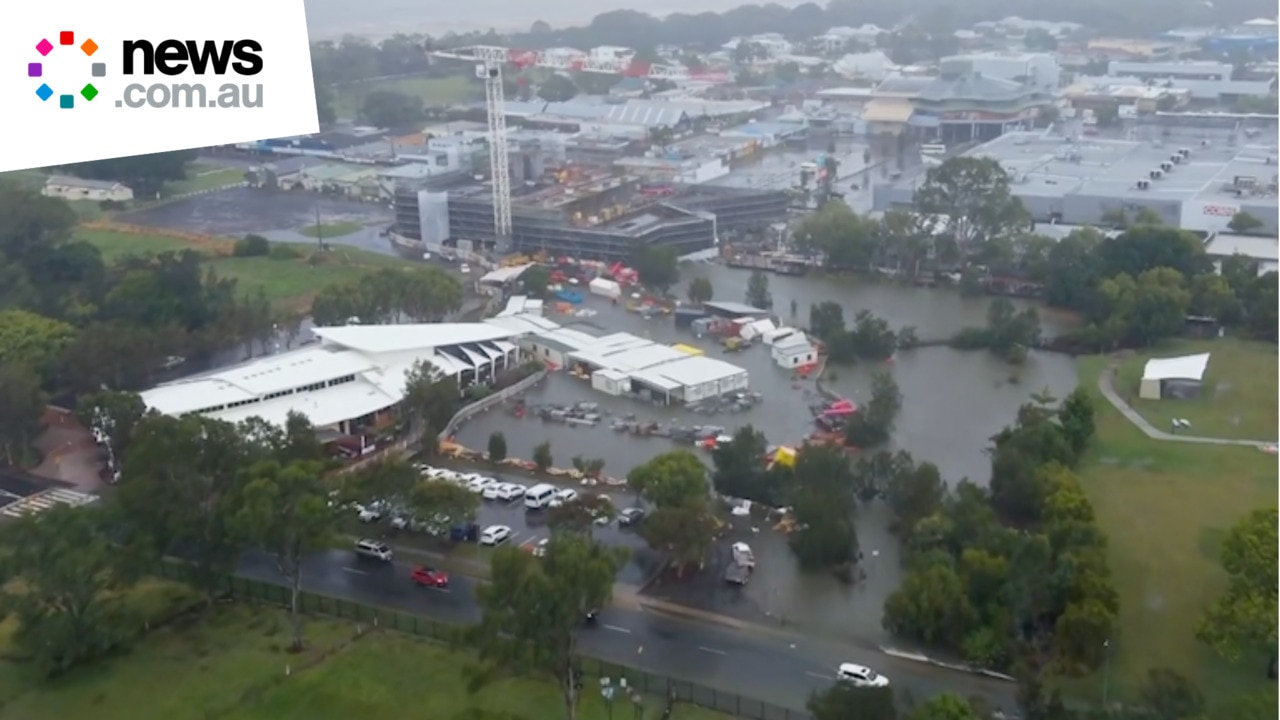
[495, 535]
[491, 492]
[430, 577]
[511, 491]
[478, 484]
[373, 549]
[630, 516]
[370, 513]
[860, 675]
[567, 495]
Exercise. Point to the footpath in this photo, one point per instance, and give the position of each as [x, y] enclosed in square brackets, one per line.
[1106, 385]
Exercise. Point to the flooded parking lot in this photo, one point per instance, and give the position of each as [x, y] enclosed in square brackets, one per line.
[953, 403]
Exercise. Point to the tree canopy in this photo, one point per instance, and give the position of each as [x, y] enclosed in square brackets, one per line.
[1244, 618]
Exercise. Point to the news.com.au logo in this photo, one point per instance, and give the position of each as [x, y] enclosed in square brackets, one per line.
[171, 58]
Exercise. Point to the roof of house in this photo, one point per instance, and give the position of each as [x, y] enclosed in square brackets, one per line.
[1186, 367]
[75, 182]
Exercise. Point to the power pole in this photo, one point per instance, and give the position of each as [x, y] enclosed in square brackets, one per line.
[499, 164]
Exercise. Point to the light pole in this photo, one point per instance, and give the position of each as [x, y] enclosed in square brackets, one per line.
[1106, 670]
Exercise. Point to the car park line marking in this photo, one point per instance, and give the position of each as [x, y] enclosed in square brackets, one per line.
[820, 676]
[357, 571]
[615, 628]
[713, 651]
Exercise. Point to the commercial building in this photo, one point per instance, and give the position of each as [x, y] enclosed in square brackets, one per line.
[1194, 185]
[352, 379]
[623, 364]
[74, 188]
[955, 109]
[1036, 70]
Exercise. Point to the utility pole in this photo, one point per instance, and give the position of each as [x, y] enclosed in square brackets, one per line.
[1106, 670]
[319, 228]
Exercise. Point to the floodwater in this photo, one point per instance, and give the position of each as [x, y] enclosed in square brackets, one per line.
[953, 403]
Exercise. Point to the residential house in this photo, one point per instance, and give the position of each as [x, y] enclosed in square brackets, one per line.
[74, 188]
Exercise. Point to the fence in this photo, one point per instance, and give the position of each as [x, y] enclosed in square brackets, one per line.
[646, 682]
[489, 401]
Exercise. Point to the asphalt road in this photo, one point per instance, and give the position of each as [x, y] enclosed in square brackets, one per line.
[754, 662]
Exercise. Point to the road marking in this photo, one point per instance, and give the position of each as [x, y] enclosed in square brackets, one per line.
[357, 571]
[615, 628]
[713, 651]
[820, 676]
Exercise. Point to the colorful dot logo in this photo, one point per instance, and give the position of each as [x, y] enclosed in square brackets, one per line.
[66, 38]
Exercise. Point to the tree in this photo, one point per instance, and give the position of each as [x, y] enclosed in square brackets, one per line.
[497, 447]
[390, 109]
[823, 505]
[873, 424]
[700, 290]
[930, 606]
[673, 479]
[389, 479]
[430, 398]
[758, 291]
[535, 281]
[656, 266]
[740, 470]
[182, 482]
[558, 88]
[580, 515]
[438, 505]
[65, 589]
[1170, 696]
[1140, 312]
[1244, 618]
[969, 200]
[285, 512]
[144, 174]
[22, 402]
[533, 609]
[325, 113]
[1076, 419]
[542, 459]
[1242, 223]
[915, 493]
[826, 321]
[944, 707]
[683, 533]
[33, 340]
[113, 414]
[844, 700]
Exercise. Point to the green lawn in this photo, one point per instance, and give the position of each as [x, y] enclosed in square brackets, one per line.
[1165, 507]
[204, 177]
[435, 92]
[1240, 373]
[288, 282]
[331, 230]
[233, 665]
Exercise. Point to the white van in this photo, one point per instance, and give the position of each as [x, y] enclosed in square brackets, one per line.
[374, 550]
[539, 496]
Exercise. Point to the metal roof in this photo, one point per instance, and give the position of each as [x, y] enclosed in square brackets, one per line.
[973, 87]
[401, 338]
[735, 308]
[1186, 367]
[75, 182]
[648, 114]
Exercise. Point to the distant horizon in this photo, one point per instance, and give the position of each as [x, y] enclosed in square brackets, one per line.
[378, 19]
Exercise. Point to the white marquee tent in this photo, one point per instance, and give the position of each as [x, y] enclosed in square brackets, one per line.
[1187, 369]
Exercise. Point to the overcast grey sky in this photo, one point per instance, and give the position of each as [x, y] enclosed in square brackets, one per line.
[380, 18]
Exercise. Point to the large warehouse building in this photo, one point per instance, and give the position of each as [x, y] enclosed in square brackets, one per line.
[350, 380]
[1195, 184]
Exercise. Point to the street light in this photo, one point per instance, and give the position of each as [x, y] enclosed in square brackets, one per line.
[1106, 669]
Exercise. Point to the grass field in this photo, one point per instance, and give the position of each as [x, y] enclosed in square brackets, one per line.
[330, 230]
[1165, 507]
[435, 92]
[233, 665]
[203, 177]
[1239, 373]
[289, 283]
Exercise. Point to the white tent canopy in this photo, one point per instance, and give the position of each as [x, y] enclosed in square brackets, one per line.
[1187, 367]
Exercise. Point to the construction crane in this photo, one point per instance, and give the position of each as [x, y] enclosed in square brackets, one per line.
[499, 164]
[574, 61]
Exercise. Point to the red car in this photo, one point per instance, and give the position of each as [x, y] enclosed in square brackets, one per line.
[430, 577]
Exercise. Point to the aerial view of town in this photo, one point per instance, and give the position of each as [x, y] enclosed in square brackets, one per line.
[902, 361]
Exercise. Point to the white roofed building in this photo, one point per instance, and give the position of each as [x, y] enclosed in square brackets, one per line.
[354, 375]
[1174, 377]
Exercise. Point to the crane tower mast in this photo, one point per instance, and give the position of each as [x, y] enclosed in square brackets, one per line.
[499, 165]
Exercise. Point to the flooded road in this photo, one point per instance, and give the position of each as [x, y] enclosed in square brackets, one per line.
[953, 403]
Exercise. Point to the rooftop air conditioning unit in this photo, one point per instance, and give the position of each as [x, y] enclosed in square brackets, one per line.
[1184, 152]
[1156, 174]
[1166, 166]
[1175, 159]
[1144, 184]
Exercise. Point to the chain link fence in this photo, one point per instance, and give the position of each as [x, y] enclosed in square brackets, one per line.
[647, 683]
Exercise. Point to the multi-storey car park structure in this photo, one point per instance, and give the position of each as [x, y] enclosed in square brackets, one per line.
[1194, 180]
[597, 215]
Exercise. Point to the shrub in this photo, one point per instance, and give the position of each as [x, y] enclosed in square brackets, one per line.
[284, 251]
[252, 246]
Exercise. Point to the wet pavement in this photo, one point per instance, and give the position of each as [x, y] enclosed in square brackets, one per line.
[273, 214]
[953, 403]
